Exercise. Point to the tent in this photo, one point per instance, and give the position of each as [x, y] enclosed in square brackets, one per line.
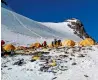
[68, 43]
[37, 45]
[87, 42]
[9, 47]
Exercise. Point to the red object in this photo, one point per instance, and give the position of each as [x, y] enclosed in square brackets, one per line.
[2, 42]
[45, 43]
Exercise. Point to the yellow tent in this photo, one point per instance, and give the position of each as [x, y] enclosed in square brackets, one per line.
[68, 43]
[9, 47]
[87, 42]
[37, 45]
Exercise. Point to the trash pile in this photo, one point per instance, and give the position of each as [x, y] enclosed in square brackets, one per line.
[55, 62]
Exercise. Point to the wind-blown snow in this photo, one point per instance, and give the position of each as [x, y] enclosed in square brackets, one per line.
[27, 28]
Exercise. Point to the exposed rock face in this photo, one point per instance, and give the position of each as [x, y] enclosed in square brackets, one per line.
[78, 28]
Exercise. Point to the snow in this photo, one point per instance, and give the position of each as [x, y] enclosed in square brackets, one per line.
[18, 39]
[63, 28]
[21, 28]
[85, 68]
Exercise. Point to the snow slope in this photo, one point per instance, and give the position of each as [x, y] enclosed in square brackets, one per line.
[84, 69]
[16, 24]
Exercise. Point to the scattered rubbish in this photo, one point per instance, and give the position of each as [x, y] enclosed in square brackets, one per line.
[33, 60]
[5, 66]
[81, 55]
[53, 63]
[54, 78]
[74, 63]
[63, 68]
[86, 75]
[70, 58]
[19, 63]
[44, 68]
[9, 68]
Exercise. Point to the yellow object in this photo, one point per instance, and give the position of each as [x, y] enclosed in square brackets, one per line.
[20, 48]
[36, 58]
[9, 47]
[50, 46]
[87, 42]
[68, 43]
[37, 45]
[53, 63]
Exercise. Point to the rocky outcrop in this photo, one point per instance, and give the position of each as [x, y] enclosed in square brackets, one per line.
[78, 28]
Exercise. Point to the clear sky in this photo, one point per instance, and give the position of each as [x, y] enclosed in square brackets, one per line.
[60, 10]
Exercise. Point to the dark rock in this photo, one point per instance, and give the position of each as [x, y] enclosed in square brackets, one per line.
[78, 28]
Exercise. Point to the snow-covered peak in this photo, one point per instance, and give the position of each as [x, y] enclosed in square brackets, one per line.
[71, 20]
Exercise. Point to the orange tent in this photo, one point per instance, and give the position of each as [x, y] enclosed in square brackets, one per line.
[9, 47]
[36, 45]
[68, 43]
[87, 42]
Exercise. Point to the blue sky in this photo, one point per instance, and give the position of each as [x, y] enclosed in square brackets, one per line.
[60, 10]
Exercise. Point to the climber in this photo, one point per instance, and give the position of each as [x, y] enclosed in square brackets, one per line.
[55, 41]
[2, 49]
[59, 43]
[44, 44]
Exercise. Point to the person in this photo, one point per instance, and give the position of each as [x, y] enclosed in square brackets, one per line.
[2, 50]
[45, 44]
[52, 44]
[59, 42]
[55, 41]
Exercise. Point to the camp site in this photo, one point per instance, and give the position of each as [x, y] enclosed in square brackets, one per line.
[49, 40]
